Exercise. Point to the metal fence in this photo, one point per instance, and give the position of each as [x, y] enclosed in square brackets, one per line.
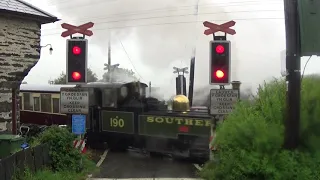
[32, 159]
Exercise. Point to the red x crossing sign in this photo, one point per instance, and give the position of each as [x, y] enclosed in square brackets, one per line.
[225, 27]
[82, 29]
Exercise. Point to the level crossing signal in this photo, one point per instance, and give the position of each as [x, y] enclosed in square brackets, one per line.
[220, 62]
[77, 53]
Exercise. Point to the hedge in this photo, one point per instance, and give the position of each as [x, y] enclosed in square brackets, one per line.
[250, 140]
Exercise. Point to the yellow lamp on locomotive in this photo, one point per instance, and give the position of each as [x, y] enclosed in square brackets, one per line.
[180, 103]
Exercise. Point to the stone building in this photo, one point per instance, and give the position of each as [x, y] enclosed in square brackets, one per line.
[20, 32]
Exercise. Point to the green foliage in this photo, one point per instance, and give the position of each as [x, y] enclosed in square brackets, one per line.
[67, 162]
[48, 174]
[119, 74]
[250, 140]
[62, 153]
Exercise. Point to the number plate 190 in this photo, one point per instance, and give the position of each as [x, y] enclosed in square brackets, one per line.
[117, 121]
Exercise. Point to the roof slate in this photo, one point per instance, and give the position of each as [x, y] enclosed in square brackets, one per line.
[20, 6]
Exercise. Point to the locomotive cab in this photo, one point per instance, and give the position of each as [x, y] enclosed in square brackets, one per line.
[114, 95]
[112, 110]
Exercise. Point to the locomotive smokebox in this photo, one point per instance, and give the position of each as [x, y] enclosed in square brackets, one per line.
[180, 103]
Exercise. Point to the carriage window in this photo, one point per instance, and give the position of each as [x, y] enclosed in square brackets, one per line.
[36, 103]
[109, 98]
[46, 102]
[27, 102]
[55, 105]
[20, 102]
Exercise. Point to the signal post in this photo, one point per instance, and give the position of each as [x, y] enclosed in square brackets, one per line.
[75, 101]
[221, 100]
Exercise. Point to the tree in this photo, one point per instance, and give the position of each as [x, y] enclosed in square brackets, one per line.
[92, 77]
[120, 75]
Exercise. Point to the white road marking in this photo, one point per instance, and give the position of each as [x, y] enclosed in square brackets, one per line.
[102, 158]
[197, 166]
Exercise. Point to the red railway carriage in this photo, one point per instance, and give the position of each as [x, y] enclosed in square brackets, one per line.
[40, 104]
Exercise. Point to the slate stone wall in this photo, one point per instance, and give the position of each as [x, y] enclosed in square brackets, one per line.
[19, 52]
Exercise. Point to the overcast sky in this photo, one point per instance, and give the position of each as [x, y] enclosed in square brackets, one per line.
[158, 35]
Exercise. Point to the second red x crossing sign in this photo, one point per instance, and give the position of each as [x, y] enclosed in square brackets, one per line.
[225, 27]
[82, 29]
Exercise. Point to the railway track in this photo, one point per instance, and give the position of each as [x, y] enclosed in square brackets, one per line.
[136, 165]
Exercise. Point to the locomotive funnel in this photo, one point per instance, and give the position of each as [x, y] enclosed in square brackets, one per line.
[180, 103]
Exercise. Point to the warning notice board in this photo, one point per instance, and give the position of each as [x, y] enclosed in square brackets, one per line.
[222, 100]
[74, 100]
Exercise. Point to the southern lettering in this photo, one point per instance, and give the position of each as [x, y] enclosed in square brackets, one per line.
[178, 120]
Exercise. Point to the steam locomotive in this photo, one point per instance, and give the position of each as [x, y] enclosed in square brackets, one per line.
[122, 116]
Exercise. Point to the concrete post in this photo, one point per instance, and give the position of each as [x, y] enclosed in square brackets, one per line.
[236, 85]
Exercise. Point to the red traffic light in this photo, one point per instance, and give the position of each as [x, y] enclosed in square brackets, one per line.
[76, 76]
[219, 74]
[219, 49]
[76, 50]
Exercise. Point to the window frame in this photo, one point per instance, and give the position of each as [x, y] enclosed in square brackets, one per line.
[41, 108]
[30, 101]
[34, 105]
[113, 97]
[55, 96]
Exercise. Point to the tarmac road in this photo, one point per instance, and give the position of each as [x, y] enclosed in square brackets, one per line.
[138, 166]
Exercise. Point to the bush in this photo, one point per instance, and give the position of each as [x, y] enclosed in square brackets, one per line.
[250, 140]
[63, 155]
[47, 174]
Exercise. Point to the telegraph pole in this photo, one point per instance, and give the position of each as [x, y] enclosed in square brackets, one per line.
[293, 79]
[109, 60]
[108, 65]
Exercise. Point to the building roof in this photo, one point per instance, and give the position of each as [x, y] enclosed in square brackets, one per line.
[25, 10]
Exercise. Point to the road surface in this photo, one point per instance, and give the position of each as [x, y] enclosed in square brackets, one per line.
[137, 166]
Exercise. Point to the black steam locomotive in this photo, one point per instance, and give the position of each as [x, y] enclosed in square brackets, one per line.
[122, 116]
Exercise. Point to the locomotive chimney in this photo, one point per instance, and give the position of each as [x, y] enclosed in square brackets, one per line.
[181, 80]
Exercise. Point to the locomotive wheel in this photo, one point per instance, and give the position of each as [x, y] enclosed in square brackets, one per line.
[94, 142]
[118, 145]
[156, 154]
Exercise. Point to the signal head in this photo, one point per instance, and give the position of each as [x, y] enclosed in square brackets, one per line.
[76, 76]
[220, 49]
[76, 50]
[220, 62]
[219, 74]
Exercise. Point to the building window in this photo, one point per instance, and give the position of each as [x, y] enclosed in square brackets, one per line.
[55, 105]
[36, 104]
[45, 102]
[27, 102]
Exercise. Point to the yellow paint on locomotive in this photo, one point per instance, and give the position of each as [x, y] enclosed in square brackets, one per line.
[179, 121]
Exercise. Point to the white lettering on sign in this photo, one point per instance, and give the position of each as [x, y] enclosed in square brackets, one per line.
[74, 100]
[223, 100]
